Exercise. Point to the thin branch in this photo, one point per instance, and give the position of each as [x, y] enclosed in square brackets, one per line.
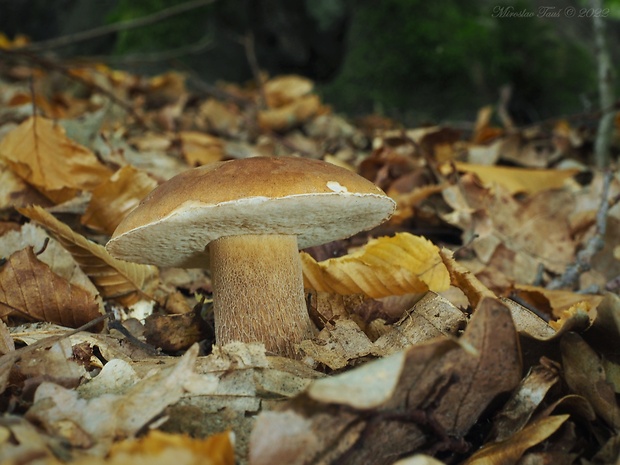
[595, 244]
[192, 49]
[606, 89]
[250, 52]
[71, 39]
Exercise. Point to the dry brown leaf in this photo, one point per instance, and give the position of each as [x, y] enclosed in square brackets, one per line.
[115, 197]
[402, 264]
[524, 401]
[585, 375]
[465, 280]
[337, 344]
[200, 148]
[39, 152]
[95, 423]
[48, 251]
[282, 90]
[116, 279]
[511, 450]
[450, 381]
[293, 114]
[6, 341]
[512, 254]
[553, 301]
[518, 180]
[222, 118]
[28, 288]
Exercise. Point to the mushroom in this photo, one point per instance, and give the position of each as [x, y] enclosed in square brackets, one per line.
[247, 219]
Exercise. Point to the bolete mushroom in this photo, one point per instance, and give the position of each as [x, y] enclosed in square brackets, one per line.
[246, 219]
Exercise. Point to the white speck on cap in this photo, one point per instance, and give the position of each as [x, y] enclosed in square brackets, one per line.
[336, 186]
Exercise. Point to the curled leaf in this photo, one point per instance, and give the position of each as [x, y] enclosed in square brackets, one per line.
[402, 264]
[28, 288]
[511, 450]
[115, 279]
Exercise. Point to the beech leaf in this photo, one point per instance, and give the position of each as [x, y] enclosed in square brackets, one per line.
[398, 265]
[511, 450]
[39, 152]
[517, 180]
[115, 279]
[115, 197]
[29, 288]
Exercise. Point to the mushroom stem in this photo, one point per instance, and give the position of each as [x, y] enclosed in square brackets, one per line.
[258, 292]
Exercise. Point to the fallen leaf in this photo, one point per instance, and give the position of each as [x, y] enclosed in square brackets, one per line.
[553, 301]
[584, 374]
[337, 344]
[200, 148]
[115, 197]
[103, 419]
[115, 279]
[39, 152]
[525, 400]
[397, 265]
[6, 341]
[517, 180]
[452, 382]
[282, 90]
[159, 448]
[288, 116]
[464, 279]
[292, 433]
[48, 251]
[511, 450]
[29, 289]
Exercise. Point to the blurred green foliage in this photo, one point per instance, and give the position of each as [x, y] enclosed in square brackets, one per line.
[446, 58]
[174, 32]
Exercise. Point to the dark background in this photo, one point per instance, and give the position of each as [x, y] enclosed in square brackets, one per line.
[415, 60]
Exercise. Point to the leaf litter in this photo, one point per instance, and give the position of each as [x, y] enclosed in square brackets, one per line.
[442, 336]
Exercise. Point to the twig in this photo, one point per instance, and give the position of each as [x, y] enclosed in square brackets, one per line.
[250, 52]
[116, 27]
[155, 57]
[505, 94]
[605, 87]
[596, 243]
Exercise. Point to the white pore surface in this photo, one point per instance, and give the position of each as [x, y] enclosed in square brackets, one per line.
[180, 239]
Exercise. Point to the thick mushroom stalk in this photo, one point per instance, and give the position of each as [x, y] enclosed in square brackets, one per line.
[258, 291]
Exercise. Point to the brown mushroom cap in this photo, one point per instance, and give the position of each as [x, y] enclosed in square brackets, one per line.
[316, 201]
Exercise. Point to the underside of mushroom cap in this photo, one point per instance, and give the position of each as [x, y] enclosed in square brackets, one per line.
[313, 200]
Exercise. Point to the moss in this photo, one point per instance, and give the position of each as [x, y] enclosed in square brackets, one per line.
[446, 58]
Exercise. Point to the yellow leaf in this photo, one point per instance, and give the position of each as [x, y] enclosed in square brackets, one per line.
[39, 152]
[297, 112]
[282, 90]
[200, 148]
[397, 265]
[517, 180]
[511, 450]
[159, 447]
[115, 279]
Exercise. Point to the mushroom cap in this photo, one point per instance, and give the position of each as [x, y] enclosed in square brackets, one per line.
[316, 201]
